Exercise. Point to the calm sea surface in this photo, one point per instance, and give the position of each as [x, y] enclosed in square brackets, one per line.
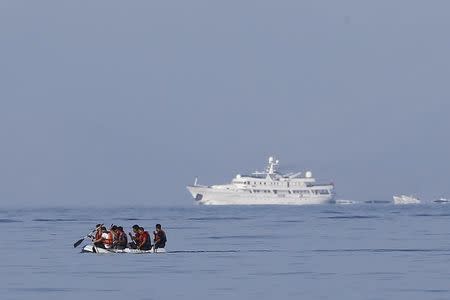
[307, 252]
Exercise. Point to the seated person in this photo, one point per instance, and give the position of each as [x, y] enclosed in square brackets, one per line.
[121, 239]
[136, 239]
[103, 238]
[145, 241]
[160, 238]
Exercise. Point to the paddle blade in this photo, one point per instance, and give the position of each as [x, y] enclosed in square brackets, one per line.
[78, 243]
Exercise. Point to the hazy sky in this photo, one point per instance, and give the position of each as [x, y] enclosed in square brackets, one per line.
[125, 102]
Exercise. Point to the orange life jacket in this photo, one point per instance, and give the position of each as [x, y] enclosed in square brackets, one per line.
[144, 239]
[98, 234]
[137, 238]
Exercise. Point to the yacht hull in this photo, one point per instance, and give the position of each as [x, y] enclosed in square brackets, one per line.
[210, 196]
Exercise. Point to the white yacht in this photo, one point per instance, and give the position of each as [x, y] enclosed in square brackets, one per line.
[442, 200]
[403, 199]
[265, 188]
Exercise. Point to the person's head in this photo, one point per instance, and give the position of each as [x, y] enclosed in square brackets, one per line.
[158, 227]
[113, 228]
[103, 228]
[141, 229]
[135, 228]
[120, 228]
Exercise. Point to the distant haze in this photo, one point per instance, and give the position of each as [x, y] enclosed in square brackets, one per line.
[113, 102]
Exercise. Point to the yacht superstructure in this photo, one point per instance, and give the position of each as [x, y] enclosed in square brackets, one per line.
[265, 188]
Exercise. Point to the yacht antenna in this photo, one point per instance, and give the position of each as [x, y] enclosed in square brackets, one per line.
[272, 167]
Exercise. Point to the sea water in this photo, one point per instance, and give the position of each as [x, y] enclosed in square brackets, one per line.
[375, 251]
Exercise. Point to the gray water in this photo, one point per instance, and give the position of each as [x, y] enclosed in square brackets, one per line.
[307, 252]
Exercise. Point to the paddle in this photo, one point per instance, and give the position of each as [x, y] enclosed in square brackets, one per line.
[77, 243]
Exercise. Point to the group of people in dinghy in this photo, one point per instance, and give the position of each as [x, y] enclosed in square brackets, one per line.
[116, 238]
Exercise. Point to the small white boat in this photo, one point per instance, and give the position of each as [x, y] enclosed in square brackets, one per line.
[94, 249]
[403, 199]
[442, 200]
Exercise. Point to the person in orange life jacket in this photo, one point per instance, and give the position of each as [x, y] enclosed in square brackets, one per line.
[144, 240]
[122, 240]
[100, 237]
[113, 236]
[97, 233]
[97, 238]
[160, 238]
[108, 237]
[135, 240]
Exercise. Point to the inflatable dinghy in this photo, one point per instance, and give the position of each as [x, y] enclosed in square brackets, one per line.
[94, 249]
